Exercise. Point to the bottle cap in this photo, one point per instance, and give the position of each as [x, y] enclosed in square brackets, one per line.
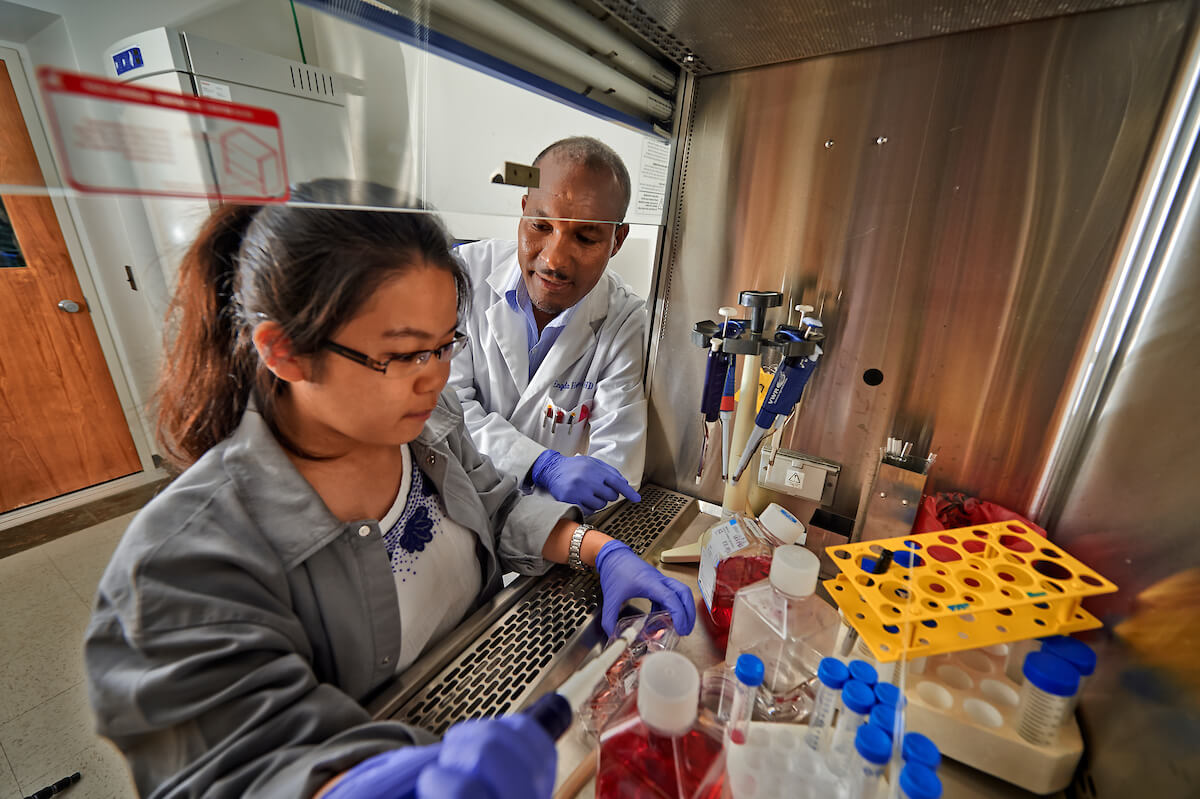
[780, 523]
[833, 672]
[794, 570]
[858, 697]
[1051, 673]
[863, 671]
[749, 669]
[668, 693]
[1072, 650]
[920, 750]
[887, 694]
[906, 559]
[919, 782]
[884, 717]
[873, 744]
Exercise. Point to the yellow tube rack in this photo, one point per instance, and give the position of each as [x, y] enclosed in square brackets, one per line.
[962, 589]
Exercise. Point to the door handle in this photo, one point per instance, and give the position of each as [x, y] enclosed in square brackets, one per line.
[70, 306]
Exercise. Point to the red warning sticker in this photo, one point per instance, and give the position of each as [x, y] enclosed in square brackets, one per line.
[118, 138]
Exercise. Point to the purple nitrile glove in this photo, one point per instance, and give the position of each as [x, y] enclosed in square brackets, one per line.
[623, 576]
[580, 480]
[391, 773]
[506, 758]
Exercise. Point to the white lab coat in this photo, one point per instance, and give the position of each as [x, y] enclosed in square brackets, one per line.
[596, 361]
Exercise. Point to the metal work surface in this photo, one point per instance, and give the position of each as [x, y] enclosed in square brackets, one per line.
[950, 207]
[544, 632]
[721, 36]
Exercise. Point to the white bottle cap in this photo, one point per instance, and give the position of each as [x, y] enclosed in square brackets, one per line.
[668, 693]
[780, 522]
[794, 570]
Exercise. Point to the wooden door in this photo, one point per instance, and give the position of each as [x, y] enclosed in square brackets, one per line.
[61, 423]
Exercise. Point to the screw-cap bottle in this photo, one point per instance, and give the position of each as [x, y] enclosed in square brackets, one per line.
[794, 570]
[668, 693]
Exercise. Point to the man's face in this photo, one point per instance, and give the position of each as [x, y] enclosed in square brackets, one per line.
[568, 232]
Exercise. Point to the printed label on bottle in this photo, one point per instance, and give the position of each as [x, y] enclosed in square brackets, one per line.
[723, 540]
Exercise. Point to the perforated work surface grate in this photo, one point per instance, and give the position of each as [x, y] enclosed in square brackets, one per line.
[516, 652]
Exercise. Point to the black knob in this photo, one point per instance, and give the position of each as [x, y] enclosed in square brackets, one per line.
[758, 302]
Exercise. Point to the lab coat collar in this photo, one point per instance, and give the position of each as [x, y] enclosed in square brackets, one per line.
[282, 503]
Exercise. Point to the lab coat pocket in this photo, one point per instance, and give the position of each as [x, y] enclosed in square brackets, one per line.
[570, 433]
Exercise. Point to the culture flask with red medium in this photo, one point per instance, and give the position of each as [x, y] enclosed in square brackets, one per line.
[658, 746]
[734, 554]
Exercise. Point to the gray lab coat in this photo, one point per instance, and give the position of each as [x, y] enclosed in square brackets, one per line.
[240, 626]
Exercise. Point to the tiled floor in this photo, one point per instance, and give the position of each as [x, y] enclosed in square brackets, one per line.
[46, 728]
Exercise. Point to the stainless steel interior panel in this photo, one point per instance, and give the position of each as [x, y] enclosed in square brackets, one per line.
[530, 639]
[1131, 513]
[718, 36]
[951, 208]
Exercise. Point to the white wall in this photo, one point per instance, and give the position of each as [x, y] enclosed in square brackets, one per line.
[423, 122]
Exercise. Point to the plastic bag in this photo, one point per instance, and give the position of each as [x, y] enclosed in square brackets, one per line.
[947, 511]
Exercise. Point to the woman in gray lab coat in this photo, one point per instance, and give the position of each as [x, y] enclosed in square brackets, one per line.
[332, 520]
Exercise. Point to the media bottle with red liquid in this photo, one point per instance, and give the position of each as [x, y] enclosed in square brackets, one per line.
[736, 553]
[658, 746]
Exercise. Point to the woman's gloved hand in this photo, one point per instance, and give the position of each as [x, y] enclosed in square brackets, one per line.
[506, 758]
[580, 480]
[623, 576]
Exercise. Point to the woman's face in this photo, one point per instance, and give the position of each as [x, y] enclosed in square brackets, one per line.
[345, 403]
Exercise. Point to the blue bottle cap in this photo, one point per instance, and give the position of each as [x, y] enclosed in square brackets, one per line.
[884, 717]
[863, 671]
[868, 565]
[887, 694]
[1072, 650]
[749, 669]
[920, 750]
[873, 744]
[906, 559]
[919, 782]
[1051, 673]
[833, 672]
[858, 697]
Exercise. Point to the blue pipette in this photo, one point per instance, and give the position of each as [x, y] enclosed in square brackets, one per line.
[716, 373]
[785, 389]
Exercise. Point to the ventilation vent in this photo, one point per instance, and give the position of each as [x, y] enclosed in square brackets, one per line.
[506, 664]
[312, 81]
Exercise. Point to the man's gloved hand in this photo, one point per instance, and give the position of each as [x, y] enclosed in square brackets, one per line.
[623, 576]
[580, 480]
[506, 758]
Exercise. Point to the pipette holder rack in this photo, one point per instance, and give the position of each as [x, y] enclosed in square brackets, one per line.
[962, 589]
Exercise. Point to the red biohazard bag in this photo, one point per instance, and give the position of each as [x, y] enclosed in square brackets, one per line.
[946, 511]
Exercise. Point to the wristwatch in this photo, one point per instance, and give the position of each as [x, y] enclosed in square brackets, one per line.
[576, 542]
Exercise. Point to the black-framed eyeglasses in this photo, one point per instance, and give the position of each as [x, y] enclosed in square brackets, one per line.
[405, 362]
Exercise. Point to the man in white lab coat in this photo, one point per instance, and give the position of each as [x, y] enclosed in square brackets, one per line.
[551, 383]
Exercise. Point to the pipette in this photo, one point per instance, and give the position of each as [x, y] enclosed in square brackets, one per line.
[727, 407]
[715, 374]
[786, 387]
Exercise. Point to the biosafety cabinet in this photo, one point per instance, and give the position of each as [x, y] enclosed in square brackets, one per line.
[988, 203]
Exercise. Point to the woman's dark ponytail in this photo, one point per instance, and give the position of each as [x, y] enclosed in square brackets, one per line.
[209, 366]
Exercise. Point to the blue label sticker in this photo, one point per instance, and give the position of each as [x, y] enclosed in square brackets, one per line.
[127, 60]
